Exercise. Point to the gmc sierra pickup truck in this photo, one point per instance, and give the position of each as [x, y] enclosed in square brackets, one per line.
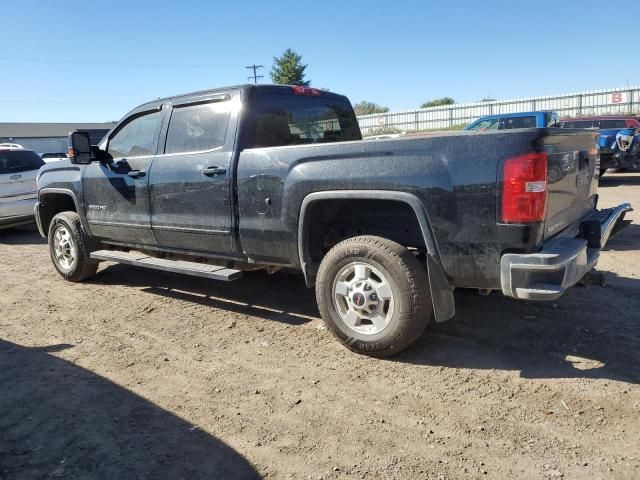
[223, 181]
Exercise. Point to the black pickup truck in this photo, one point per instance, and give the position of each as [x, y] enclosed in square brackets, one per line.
[223, 181]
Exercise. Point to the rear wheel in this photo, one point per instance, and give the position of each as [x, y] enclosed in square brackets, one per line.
[69, 248]
[373, 295]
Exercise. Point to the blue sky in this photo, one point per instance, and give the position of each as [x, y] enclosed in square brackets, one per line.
[396, 53]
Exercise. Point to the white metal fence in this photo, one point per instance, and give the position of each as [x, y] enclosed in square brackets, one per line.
[595, 102]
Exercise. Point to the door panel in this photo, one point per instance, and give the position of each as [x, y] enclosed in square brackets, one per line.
[117, 205]
[189, 184]
[116, 194]
[190, 209]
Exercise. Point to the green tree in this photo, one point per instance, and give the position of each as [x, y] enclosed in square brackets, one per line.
[438, 102]
[288, 69]
[367, 108]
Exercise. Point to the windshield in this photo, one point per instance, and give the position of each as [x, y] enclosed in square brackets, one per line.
[485, 125]
[16, 161]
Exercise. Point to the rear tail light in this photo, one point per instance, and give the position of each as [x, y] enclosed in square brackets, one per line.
[524, 188]
[299, 90]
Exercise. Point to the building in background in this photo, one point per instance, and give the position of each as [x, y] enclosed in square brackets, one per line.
[49, 137]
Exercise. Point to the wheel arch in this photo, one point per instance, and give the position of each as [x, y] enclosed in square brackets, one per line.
[441, 290]
[52, 201]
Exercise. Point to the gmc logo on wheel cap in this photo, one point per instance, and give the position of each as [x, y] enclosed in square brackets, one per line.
[358, 299]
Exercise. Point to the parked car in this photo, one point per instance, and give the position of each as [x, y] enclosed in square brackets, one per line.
[10, 146]
[602, 122]
[273, 177]
[18, 170]
[619, 137]
[508, 121]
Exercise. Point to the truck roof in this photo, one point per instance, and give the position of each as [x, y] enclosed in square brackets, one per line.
[602, 117]
[246, 87]
[518, 114]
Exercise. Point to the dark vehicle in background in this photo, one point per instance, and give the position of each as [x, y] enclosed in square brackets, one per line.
[508, 121]
[267, 177]
[18, 170]
[619, 139]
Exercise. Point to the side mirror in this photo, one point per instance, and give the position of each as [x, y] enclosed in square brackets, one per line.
[79, 147]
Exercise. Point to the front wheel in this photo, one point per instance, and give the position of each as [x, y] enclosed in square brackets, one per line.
[373, 295]
[69, 248]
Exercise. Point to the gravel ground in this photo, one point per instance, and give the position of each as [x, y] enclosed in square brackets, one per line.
[139, 374]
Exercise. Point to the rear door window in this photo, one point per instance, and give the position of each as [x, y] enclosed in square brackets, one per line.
[197, 128]
[508, 123]
[281, 119]
[577, 124]
[16, 161]
[137, 138]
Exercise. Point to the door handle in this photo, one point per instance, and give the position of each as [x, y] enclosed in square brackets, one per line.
[136, 173]
[210, 171]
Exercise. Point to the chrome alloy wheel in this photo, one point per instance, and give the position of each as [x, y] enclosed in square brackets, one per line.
[363, 298]
[64, 247]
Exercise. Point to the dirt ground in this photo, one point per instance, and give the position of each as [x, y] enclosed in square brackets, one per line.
[140, 374]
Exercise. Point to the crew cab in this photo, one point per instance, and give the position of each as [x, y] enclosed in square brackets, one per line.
[509, 121]
[219, 182]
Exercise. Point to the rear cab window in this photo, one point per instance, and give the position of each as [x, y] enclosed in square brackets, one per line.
[16, 161]
[604, 124]
[577, 124]
[280, 119]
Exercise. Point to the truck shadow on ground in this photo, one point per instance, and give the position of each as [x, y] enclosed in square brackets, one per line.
[60, 420]
[27, 235]
[627, 240]
[590, 333]
[618, 180]
[283, 298]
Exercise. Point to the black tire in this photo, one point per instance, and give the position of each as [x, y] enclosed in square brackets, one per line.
[81, 267]
[409, 282]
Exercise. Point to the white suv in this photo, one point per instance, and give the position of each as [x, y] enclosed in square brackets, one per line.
[18, 170]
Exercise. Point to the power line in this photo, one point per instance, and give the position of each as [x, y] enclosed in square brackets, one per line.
[255, 75]
[120, 64]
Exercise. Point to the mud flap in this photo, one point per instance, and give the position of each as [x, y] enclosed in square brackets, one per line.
[444, 305]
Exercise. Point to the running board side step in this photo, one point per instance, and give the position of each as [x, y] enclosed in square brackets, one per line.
[138, 259]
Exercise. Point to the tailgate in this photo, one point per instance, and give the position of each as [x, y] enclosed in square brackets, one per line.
[573, 181]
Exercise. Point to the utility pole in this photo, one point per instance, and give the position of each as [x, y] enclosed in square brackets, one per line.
[255, 75]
